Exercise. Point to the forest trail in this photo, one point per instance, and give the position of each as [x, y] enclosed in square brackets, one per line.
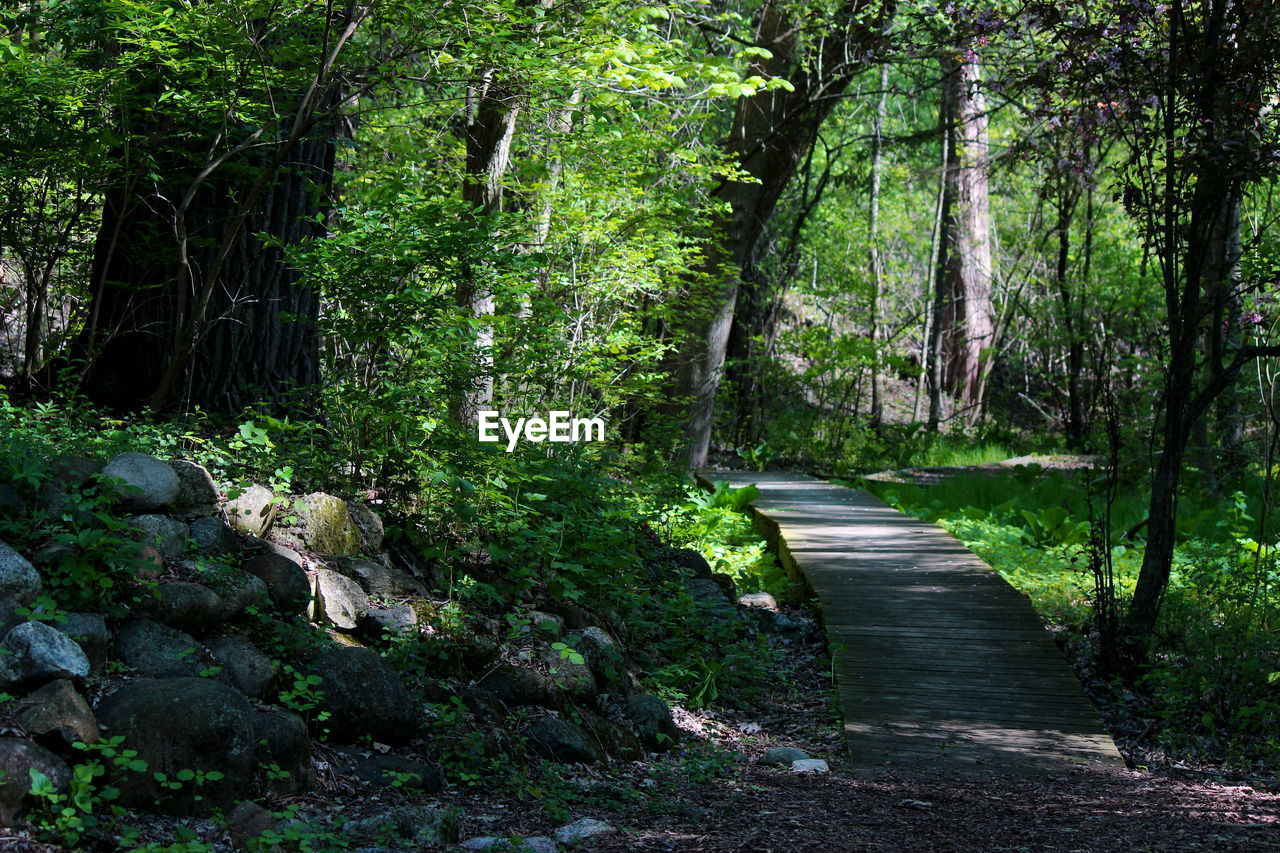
[938, 660]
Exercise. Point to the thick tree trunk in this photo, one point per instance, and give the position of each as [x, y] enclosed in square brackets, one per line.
[210, 318]
[968, 327]
[873, 238]
[771, 134]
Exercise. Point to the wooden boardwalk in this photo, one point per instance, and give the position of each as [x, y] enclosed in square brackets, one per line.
[940, 663]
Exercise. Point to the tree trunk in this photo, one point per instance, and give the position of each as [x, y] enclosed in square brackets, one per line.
[873, 238]
[968, 327]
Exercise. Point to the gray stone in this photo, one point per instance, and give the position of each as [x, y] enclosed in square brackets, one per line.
[782, 756]
[287, 583]
[158, 651]
[253, 510]
[547, 624]
[73, 472]
[370, 524]
[148, 483]
[282, 740]
[197, 495]
[388, 770]
[612, 739]
[398, 620]
[582, 829]
[56, 716]
[426, 827]
[187, 606]
[167, 535]
[561, 740]
[516, 685]
[758, 601]
[338, 600]
[323, 525]
[567, 675]
[810, 765]
[266, 546]
[246, 823]
[18, 758]
[375, 578]
[364, 696]
[245, 667]
[710, 600]
[38, 653]
[651, 719]
[600, 652]
[238, 591]
[213, 537]
[179, 724]
[89, 630]
[19, 580]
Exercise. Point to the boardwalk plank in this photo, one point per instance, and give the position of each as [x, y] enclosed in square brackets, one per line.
[939, 662]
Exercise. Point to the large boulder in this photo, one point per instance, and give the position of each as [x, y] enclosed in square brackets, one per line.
[238, 591]
[651, 719]
[370, 524]
[148, 484]
[287, 584]
[252, 510]
[167, 535]
[18, 757]
[363, 695]
[375, 578]
[19, 580]
[158, 651]
[337, 600]
[283, 741]
[396, 620]
[197, 495]
[187, 606]
[244, 667]
[517, 685]
[213, 537]
[177, 725]
[89, 630]
[561, 740]
[36, 653]
[56, 716]
[321, 523]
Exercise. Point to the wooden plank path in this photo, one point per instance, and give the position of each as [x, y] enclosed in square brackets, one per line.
[939, 662]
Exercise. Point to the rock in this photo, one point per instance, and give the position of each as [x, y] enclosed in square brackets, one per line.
[56, 716]
[266, 546]
[364, 696]
[158, 651]
[375, 578]
[187, 606]
[89, 630]
[38, 653]
[651, 719]
[568, 676]
[287, 584]
[73, 472]
[780, 623]
[213, 537]
[165, 534]
[612, 739]
[370, 525]
[510, 844]
[601, 653]
[324, 525]
[252, 511]
[391, 770]
[147, 483]
[12, 505]
[810, 765]
[238, 591]
[426, 827]
[397, 620]
[562, 741]
[178, 724]
[197, 495]
[575, 616]
[19, 580]
[149, 563]
[338, 600]
[758, 601]
[245, 667]
[283, 740]
[782, 756]
[246, 822]
[689, 561]
[18, 758]
[581, 830]
[516, 685]
[710, 600]
[546, 624]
